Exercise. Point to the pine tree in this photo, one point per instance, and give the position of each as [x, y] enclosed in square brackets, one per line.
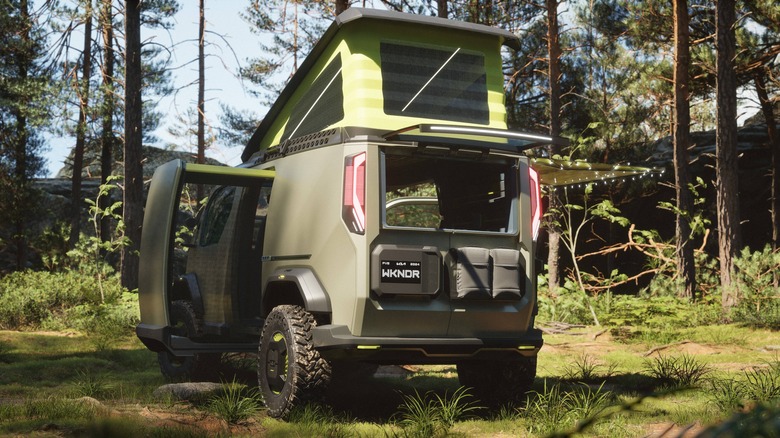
[201, 157]
[554, 80]
[132, 213]
[23, 112]
[294, 28]
[107, 89]
[729, 234]
[682, 122]
[762, 68]
[82, 95]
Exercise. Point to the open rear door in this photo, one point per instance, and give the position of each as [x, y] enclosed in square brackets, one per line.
[162, 206]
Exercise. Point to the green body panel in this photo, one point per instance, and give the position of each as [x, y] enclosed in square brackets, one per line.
[153, 281]
[307, 226]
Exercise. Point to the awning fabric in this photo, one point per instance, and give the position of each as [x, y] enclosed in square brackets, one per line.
[558, 173]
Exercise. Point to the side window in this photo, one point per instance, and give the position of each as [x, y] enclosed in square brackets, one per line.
[261, 213]
[216, 215]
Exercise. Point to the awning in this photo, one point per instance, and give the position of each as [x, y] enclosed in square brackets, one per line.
[557, 173]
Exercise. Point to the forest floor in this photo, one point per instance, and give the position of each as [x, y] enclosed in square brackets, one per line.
[68, 384]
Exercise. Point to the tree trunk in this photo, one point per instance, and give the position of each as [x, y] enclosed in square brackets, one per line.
[554, 76]
[442, 10]
[81, 129]
[107, 111]
[729, 235]
[21, 181]
[132, 213]
[201, 93]
[341, 6]
[774, 145]
[682, 122]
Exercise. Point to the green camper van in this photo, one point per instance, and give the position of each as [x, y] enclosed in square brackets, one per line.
[383, 214]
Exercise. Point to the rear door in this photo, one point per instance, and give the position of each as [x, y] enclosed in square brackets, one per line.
[156, 272]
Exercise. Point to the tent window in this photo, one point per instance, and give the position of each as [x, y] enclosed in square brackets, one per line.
[321, 106]
[437, 83]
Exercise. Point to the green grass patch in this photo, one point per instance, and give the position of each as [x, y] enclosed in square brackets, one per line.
[617, 390]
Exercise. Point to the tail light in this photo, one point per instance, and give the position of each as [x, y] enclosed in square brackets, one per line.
[354, 207]
[536, 202]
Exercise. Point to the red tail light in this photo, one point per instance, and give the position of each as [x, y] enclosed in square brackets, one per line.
[354, 210]
[536, 202]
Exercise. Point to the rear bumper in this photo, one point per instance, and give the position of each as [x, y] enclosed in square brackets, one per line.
[337, 343]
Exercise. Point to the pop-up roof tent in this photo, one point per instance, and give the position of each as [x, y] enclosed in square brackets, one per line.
[410, 78]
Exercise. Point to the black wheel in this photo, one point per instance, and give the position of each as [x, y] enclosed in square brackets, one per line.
[498, 382]
[201, 366]
[289, 370]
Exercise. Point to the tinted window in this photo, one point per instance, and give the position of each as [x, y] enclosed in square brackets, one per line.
[443, 192]
[216, 215]
[321, 106]
[446, 84]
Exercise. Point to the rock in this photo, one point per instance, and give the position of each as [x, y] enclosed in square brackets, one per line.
[96, 405]
[394, 371]
[189, 391]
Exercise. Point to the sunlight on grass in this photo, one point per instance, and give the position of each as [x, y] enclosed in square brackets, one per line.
[124, 377]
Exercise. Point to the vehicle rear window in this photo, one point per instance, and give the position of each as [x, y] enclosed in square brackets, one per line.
[448, 193]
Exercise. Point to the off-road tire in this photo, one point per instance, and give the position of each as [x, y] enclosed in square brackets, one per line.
[498, 382]
[290, 371]
[199, 367]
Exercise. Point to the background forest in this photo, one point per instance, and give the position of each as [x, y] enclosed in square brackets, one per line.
[647, 82]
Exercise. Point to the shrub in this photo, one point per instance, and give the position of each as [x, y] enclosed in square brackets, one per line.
[568, 306]
[105, 323]
[757, 386]
[758, 283]
[31, 299]
[87, 384]
[660, 312]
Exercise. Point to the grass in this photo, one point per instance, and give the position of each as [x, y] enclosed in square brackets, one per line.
[585, 368]
[430, 414]
[44, 374]
[677, 371]
[237, 403]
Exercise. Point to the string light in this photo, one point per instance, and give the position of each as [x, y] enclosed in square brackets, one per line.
[610, 174]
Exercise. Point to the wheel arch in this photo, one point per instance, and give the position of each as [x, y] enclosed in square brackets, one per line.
[297, 286]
